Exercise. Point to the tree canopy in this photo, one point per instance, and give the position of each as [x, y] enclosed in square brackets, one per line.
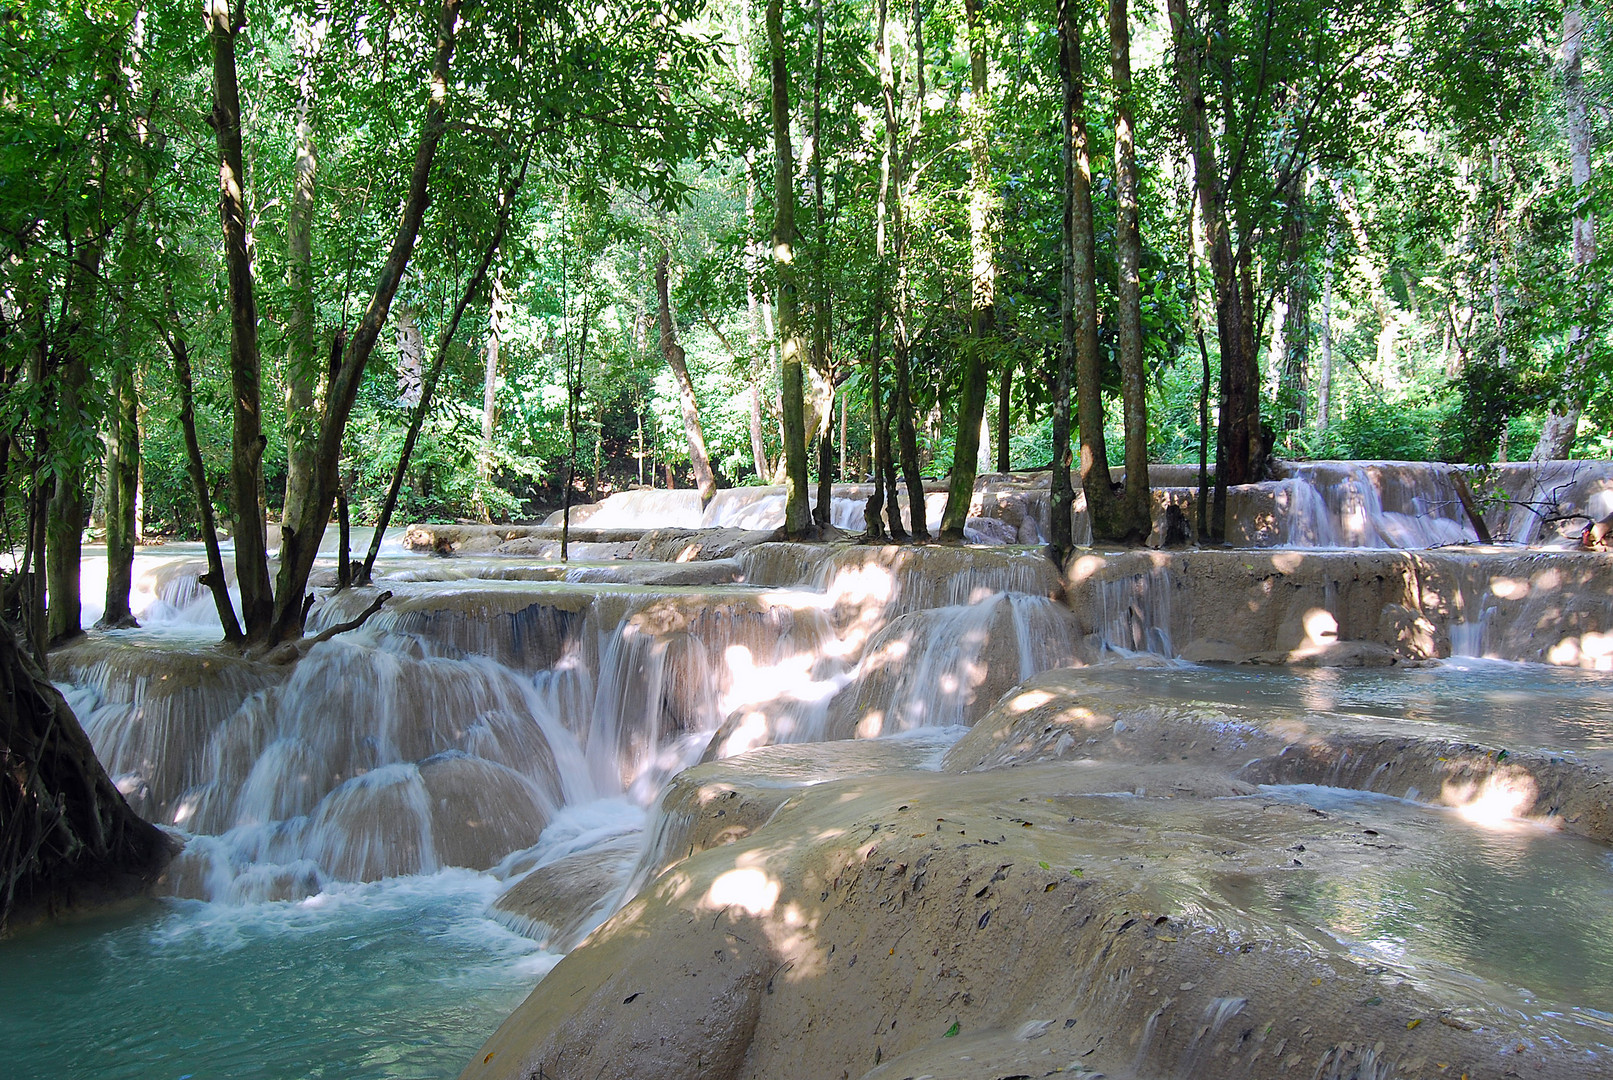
[1359, 230]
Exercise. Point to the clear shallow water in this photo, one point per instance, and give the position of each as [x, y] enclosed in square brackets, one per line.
[1527, 907]
[1516, 706]
[402, 978]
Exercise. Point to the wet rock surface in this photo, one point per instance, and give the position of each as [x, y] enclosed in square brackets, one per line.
[1030, 919]
[1296, 860]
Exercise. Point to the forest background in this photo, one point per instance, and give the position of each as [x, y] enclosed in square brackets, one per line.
[592, 288]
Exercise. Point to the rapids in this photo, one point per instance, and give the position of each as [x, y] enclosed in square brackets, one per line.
[518, 758]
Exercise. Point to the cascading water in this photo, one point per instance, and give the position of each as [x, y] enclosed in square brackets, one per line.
[525, 729]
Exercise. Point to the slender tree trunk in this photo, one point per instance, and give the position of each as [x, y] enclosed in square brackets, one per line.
[820, 295]
[1072, 155]
[1005, 391]
[300, 539]
[302, 349]
[1234, 325]
[498, 328]
[1202, 504]
[1562, 419]
[901, 409]
[673, 354]
[344, 538]
[1295, 370]
[872, 523]
[983, 285]
[246, 457]
[845, 434]
[573, 414]
[429, 386]
[214, 579]
[64, 523]
[1079, 327]
[122, 483]
[1137, 505]
[797, 520]
[1324, 374]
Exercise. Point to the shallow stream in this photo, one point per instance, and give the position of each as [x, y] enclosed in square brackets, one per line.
[406, 976]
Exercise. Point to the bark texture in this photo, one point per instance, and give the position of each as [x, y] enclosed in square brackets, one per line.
[1071, 136]
[1562, 420]
[66, 834]
[1136, 516]
[672, 352]
[246, 448]
[983, 285]
[300, 537]
[1079, 298]
[302, 350]
[122, 490]
[797, 520]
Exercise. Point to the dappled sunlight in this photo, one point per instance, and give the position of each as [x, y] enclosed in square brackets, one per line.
[1321, 627]
[747, 888]
[1287, 561]
[1592, 651]
[1027, 700]
[1501, 800]
[871, 725]
[1085, 567]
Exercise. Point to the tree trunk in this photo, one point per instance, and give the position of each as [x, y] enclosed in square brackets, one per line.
[69, 835]
[498, 328]
[411, 356]
[64, 522]
[1079, 300]
[1072, 153]
[429, 386]
[122, 483]
[1005, 391]
[1202, 504]
[214, 579]
[300, 539]
[1136, 519]
[1295, 370]
[246, 455]
[1562, 419]
[1324, 374]
[1239, 398]
[820, 295]
[674, 356]
[797, 521]
[901, 409]
[302, 349]
[983, 286]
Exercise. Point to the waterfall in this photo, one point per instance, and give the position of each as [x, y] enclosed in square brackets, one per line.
[1134, 612]
[471, 713]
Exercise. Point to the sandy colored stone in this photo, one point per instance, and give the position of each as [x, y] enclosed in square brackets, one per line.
[988, 925]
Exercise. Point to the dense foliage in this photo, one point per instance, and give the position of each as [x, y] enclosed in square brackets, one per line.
[1397, 181]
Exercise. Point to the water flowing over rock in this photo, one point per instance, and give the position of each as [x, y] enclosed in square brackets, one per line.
[1348, 608]
[798, 810]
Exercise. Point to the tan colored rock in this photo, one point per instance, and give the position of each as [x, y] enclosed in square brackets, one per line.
[1012, 923]
[1230, 605]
